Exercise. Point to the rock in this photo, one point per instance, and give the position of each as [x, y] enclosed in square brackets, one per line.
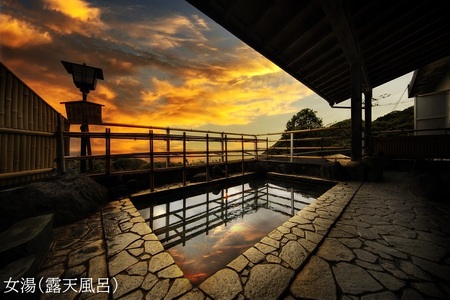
[70, 197]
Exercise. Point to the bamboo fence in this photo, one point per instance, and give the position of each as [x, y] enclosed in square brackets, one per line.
[27, 132]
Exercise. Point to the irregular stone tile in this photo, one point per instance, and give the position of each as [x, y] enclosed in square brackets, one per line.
[150, 237]
[354, 280]
[149, 281]
[141, 229]
[412, 270]
[294, 254]
[392, 268]
[133, 296]
[273, 259]
[172, 271]
[120, 262]
[353, 243]
[125, 226]
[160, 261]
[378, 247]
[298, 219]
[337, 233]
[298, 232]
[178, 288]
[75, 271]
[283, 229]
[308, 227]
[264, 248]
[349, 229]
[365, 255]
[390, 282]
[136, 244]
[126, 284]
[159, 290]
[309, 246]
[437, 239]
[276, 235]
[411, 294]
[313, 237]
[254, 255]
[333, 250]
[98, 267]
[194, 294]
[139, 268]
[87, 252]
[271, 242]
[111, 228]
[239, 263]
[120, 242]
[153, 247]
[419, 248]
[437, 269]
[224, 284]
[55, 271]
[136, 252]
[368, 266]
[387, 295]
[396, 230]
[315, 281]
[367, 233]
[267, 281]
[429, 289]
[323, 222]
[290, 236]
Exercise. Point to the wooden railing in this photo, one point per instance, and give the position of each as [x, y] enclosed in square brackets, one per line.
[413, 144]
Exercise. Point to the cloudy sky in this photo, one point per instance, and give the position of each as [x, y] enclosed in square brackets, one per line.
[164, 64]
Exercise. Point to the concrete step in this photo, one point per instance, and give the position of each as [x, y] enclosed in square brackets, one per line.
[24, 246]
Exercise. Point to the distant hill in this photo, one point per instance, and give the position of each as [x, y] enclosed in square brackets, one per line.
[396, 120]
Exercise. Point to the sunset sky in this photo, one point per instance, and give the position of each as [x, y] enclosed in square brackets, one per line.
[164, 63]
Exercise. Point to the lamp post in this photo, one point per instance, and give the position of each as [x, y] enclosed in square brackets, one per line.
[84, 112]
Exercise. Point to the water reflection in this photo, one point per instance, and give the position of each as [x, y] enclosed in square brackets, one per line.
[205, 232]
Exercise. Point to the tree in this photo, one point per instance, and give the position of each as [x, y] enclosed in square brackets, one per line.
[304, 119]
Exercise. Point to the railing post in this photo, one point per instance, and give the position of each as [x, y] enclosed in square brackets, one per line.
[242, 155]
[152, 163]
[108, 151]
[267, 149]
[292, 147]
[223, 148]
[207, 158]
[226, 156]
[256, 148]
[184, 158]
[61, 162]
[168, 148]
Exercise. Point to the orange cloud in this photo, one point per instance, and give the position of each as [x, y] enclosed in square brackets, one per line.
[75, 9]
[15, 33]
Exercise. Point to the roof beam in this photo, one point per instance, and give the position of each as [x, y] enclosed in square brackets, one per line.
[339, 18]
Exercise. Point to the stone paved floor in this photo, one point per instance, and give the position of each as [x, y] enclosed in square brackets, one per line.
[387, 244]
[369, 241]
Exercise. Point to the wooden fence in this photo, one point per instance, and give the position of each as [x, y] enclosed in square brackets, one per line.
[28, 145]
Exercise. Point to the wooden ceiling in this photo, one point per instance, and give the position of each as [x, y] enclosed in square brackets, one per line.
[316, 41]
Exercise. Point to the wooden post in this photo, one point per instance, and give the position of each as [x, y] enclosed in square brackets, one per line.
[292, 147]
[242, 154]
[226, 156]
[168, 148]
[267, 149]
[184, 158]
[108, 151]
[61, 162]
[368, 121]
[152, 163]
[222, 158]
[207, 158]
[2, 95]
[256, 148]
[356, 114]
